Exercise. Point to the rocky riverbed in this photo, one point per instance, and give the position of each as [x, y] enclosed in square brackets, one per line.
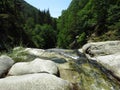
[93, 67]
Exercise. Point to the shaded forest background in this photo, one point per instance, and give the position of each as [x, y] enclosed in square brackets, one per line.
[88, 20]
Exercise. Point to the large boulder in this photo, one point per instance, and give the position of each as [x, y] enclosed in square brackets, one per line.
[5, 64]
[32, 51]
[20, 54]
[106, 53]
[35, 66]
[101, 48]
[41, 81]
[35, 51]
[110, 62]
[62, 57]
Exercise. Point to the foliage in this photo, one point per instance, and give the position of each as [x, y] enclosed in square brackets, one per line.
[82, 39]
[11, 30]
[99, 20]
[20, 23]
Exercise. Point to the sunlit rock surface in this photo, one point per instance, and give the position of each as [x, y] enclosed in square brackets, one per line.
[106, 53]
[75, 67]
[35, 66]
[101, 48]
[34, 82]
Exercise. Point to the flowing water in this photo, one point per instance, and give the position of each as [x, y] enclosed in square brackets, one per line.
[75, 67]
[92, 75]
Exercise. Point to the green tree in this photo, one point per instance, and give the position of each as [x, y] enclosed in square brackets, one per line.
[100, 7]
[49, 36]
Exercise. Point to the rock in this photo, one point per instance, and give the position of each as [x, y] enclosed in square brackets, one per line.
[67, 72]
[101, 48]
[34, 51]
[41, 81]
[92, 79]
[62, 57]
[35, 66]
[29, 54]
[111, 62]
[106, 54]
[80, 50]
[5, 64]
[20, 54]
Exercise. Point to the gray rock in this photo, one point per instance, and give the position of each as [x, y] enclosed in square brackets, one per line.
[35, 66]
[101, 48]
[35, 51]
[111, 62]
[106, 53]
[41, 81]
[5, 64]
[31, 51]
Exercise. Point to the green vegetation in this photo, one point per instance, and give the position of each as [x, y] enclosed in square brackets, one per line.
[20, 55]
[90, 20]
[94, 20]
[21, 23]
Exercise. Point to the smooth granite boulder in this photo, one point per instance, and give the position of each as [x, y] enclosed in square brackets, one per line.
[105, 53]
[35, 66]
[41, 81]
[101, 48]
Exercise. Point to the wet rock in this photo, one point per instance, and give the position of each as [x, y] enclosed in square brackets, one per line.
[92, 78]
[83, 74]
[67, 72]
[106, 54]
[111, 62]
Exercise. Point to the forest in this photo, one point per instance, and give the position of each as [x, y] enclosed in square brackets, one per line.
[88, 20]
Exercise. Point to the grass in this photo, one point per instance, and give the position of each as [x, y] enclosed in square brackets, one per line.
[19, 54]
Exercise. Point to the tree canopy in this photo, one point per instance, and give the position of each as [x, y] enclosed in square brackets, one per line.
[21, 22]
[96, 20]
[88, 20]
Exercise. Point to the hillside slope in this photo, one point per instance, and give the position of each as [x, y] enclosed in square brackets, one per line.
[89, 20]
[23, 24]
